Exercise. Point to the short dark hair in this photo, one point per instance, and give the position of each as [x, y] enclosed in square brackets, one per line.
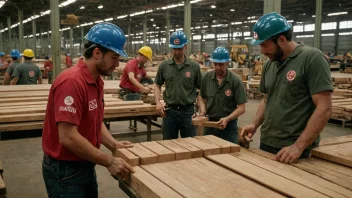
[27, 58]
[287, 34]
[90, 46]
[14, 58]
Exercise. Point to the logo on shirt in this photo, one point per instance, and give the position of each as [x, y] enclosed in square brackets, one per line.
[68, 100]
[228, 92]
[31, 74]
[255, 36]
[177, 41]
[188, 74]
[291, 75]
[93, 104]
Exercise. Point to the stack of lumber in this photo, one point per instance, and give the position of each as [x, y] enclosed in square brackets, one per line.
[258, 68]
[252, 89]
[341, 108]
[2, 183]
[343, 86]
[242, 72]
[207, 166]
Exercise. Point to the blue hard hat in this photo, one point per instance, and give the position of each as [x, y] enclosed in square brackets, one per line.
[46, 57]
[178, 40]
[109, 36]
[15, 53]
[220, 55]
[268, 26]
[2, 54]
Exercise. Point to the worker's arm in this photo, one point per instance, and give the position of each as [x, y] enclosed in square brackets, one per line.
[314, 127]
[6, 78]
[14, 81]
[160, 108]
[16, 75]
[136, 83]
[109, 142]
[202, 102]
[235, 114]
[40, 80]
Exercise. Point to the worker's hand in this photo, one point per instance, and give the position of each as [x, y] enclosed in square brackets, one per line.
[160, 109]
[222, 123]
[146, 90]
[289, 154]
[247, 133]
[118, 167]
[123, 144]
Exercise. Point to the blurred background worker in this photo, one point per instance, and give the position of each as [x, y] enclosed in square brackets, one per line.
[68, 60]
[15, 55]
[3, 61]
[134, 72]
[222, 97]
[27, 73]
[48, 69]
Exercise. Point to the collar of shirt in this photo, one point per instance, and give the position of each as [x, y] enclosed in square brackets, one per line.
[87, 75]
[227, 77]
[295, 52]
[172, 61]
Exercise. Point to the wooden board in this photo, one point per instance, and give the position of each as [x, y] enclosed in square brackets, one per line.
[265, 177]
[208, 148]
[195, 151]
[128, 156]
[148, 186]
[21, 126]
[146, 156]
[338, 153]
[2, 186]
[180, 152]
[1, 168]
[164, 154]
[24, 99]
[25, 94]
[223, 144]
[294, 174]
[335, 140]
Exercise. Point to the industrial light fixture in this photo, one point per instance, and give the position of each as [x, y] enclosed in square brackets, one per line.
[82, 7]
[210, 15]
[290, 21]
[100, 7]
[337, 13]
[313, 16]
[213, 6]
[2, 3]
[151, 19]
[154, 25]
[232, 10]
[122, 16]
[109, 19]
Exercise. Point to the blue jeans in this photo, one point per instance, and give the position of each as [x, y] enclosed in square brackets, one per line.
[273, 150]
[69, 178]
[230, 133]
[178, 120]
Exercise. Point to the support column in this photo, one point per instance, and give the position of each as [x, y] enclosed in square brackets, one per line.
[55, 37]
[272, 6]
[187, 25]
[34, 32]
[20, 30]
[47, 52]
[229, 35]
[9, 33]
[318, 17]
[1, 40]
[145, 30]
[129, 40]
[202, 42]
[41, 42]
[216, 38]
[336, 48]
[82, 40]
[167, 32]
[71, 42]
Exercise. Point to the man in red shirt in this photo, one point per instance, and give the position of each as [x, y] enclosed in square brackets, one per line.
[68, 61]
[134, 72]
[73, 125]
[48, 69]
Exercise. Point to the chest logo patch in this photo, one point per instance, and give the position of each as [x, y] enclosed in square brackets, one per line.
[228, 92]
[255, 36]
[68, 100]
[177, 41]
[31, 74]
[93, 104]
[291, 75]
[188, 74]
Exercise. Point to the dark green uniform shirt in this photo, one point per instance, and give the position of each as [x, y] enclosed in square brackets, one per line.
[181, 81]
[289, 87]
[222, 99]
[27, 72]
[10, 69]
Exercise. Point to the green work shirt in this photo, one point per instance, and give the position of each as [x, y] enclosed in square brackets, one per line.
[11, 68]
[27, 72]
[289, 88]
[222, 99]
[181, 81]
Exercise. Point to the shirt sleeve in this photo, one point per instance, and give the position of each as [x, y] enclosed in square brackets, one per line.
[17, 72]
[198, 78]
[203, 90]
[130, 68]
[159, 79]
[262, 88]
[318, 75]
[39, 73]
[69, 102]
[240, 93]
[8, 70]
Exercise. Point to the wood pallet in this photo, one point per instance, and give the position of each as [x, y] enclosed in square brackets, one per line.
[341, 109]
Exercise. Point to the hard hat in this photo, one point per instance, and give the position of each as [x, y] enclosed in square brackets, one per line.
[109, 36]
[269, 25]
[178, 40]
[146, 51]
[28, 53]
[220, 55]
[2, 54]
[15, 53]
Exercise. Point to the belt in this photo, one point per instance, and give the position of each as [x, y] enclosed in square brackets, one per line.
[178, 107]
[214, 119]
[49, 160]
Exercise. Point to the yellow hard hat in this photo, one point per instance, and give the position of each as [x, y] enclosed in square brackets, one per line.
[146, 51]
[28, 53]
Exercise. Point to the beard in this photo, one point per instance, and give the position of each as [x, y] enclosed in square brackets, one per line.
[101, 68]
[277, 55]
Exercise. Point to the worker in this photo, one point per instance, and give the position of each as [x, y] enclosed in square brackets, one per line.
[3, 61]
[296, 84]
[222, 97]
[68, 60]
[15, 55]
[207, 61]
[182, 78]
[48, 68]
[73, 125]
[134, 71]
[27, 73]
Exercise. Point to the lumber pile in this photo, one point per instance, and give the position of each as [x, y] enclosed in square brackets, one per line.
[343, 87]
[252, 88]
[242, 72]
[341, 108]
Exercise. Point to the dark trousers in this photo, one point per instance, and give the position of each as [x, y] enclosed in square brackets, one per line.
[273, 150]
[230, 133]
[178, 120]
[50, 77]
[69, 179]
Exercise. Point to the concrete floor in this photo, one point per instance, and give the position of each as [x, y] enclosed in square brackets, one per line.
[22, 159]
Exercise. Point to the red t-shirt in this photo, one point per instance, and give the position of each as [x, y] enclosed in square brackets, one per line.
[139, 73]
[68, 61]
[48, 64]
[74, 98]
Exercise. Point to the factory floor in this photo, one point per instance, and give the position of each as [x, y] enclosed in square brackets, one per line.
[22, 159]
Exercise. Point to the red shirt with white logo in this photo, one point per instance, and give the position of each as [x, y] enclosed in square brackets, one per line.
[139, 73]
[76, 98]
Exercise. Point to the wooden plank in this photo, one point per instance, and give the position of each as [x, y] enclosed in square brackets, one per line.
[208, 148]
[22, 117]
[148, 186]
[24, 99]
[1, 168]
[192, 178]
[180, 152]
[264, 177]
[128, 156]
[223, 143]
[339, 153]
[146, 156]
[335, 140]
[223, 148]
[294, 174]
[164, 154]
[21, 126]
[25, 94]
[2, 187]
[195, 151]
[335, 173]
